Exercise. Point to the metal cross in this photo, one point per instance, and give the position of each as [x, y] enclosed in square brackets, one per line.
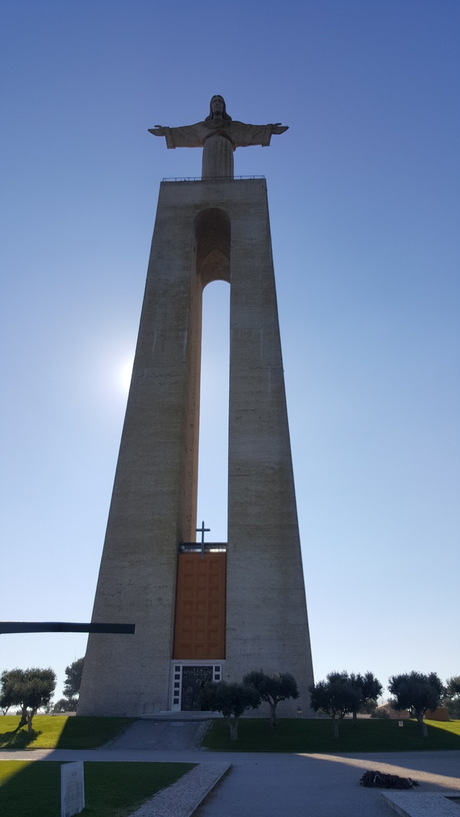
[202, 530]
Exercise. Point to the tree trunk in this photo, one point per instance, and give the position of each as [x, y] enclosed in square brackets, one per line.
[29, 720]
[335, 722]
[233, 724]
[422, 726]
[272, 715]
[23, 720]
[355, 720]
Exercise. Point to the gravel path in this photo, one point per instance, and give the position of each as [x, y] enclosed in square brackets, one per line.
[182, 798]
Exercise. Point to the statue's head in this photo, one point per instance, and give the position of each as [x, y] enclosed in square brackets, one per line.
[217, 108]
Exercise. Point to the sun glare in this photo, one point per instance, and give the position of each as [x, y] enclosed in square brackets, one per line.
[125, 373]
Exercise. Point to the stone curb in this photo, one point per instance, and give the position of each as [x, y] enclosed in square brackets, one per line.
[200, 734]
[416, 804]
[183, 798]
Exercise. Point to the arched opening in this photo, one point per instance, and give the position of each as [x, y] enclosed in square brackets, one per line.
[200, 610]
[212, 231]
[214, 400]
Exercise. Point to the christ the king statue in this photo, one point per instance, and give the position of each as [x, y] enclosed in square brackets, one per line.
[219, 135]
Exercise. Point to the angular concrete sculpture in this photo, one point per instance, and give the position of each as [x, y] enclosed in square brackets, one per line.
[214, 611]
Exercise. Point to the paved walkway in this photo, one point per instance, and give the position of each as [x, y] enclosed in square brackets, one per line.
[161, 735]
[275, 785]
[261, 784]
[323, 785]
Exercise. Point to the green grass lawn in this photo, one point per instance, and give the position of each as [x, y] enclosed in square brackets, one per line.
[256, 735]
[60, 732]
[32, 789]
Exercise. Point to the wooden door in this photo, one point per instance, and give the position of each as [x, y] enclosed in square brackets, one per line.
[199, 632]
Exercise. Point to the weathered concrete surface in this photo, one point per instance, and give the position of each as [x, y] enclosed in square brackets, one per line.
[203, 231]
[266, 613]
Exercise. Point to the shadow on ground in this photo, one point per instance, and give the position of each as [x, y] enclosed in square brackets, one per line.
[18, 738]
[32, 789]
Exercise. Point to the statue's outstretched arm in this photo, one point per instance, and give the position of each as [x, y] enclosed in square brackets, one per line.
[187, 136]
[239, 133]
[243, 134]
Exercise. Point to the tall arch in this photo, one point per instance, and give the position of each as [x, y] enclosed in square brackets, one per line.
[213, 238]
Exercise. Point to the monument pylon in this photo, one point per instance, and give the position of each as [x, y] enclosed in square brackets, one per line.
[203, 611]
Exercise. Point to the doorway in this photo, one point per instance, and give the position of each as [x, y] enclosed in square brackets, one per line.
[188, 680]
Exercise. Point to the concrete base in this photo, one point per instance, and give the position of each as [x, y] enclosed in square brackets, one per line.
[416, 804]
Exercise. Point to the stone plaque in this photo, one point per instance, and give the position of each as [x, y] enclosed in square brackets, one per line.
[72, 789]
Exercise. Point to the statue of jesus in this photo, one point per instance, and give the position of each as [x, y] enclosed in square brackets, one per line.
[219, 136]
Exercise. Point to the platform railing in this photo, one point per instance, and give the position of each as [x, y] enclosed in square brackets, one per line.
[209, 178]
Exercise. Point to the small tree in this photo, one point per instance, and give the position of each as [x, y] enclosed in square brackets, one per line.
[29, 689]
[337, 697]
[369, 689]
[272, 688]
[9, 682]
[231, 700]
[417, 692]
[72, 683]
[451, 697]
[64, 705]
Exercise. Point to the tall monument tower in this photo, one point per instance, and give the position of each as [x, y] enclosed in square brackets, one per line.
[202, 611]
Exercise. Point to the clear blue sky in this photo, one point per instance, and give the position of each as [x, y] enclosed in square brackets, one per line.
[364, 203]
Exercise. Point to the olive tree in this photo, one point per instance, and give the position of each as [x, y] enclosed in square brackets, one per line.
[272, 688]
[231, 699]
[418, 693]
[451, 698]
[73, 682]
[336, 697]
[29, 689]
[369, 688]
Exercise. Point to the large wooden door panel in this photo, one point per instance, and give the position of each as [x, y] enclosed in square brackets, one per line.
[199, 631]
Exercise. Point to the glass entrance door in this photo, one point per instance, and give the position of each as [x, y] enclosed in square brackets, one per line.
[188, 678]
[193, 679]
